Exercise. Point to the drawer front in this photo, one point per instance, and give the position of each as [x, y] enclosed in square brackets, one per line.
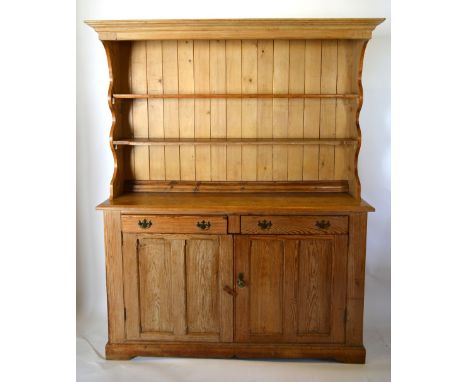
[294, 225]
[174, 224]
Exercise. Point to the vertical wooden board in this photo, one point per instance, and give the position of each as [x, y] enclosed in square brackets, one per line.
[346, 109]
[296, 108]
[202, 258]
[130, 282]
[171, 108]
[326, 162]
[290, 288]
[344, 162]
[218, 107]
[226, 270]
[154, 268]
[114, 276]
[315, 266]
[249, 109]
[178, 266]
[265, 109]
[328, 108]
[356, 276]
[280, 107]
[155, 109]
[311, 162]
[312, 79]
[339, 287]
[233, 108]
[241, 302]
[140, 108]
[186, 108]
[201, 58]
[266, 287]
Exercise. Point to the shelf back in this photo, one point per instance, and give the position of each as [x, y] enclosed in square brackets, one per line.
[204, 67]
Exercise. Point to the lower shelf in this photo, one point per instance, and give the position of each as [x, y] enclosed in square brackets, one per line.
[340, 353]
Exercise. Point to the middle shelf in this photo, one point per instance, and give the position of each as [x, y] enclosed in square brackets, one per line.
[232, 141]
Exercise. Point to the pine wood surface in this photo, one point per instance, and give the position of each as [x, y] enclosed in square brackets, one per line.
[299, 225]
[225, 203]
[235, 225]
[175, 224]
[357, 28]
[340, 353]
[295, 289]
[198, 98]
[174, 287]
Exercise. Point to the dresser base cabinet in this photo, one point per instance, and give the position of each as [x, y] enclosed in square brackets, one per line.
[236, 295]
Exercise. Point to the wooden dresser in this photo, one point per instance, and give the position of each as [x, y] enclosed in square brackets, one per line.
[235, 225]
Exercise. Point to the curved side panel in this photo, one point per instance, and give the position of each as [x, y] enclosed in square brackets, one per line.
[114, 65]
[355, 187]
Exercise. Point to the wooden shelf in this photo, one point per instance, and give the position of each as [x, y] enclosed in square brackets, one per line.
[222, 203]
[232, 141]
[240, 96]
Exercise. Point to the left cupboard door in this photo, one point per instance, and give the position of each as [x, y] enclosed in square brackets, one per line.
[176, 287]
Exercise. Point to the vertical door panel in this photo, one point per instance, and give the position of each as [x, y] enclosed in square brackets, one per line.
[295, 289]
[174, 287]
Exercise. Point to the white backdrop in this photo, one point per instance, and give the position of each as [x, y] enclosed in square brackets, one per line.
[94, 160]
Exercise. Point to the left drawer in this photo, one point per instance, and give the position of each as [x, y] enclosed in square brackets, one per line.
[174, 224]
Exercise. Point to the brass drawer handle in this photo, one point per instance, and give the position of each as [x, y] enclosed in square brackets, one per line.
[204, 225]
[240, 281]
[322, 224]
[265, 224]
[145, 224]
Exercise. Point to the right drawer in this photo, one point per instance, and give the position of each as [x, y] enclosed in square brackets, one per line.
[294, 225]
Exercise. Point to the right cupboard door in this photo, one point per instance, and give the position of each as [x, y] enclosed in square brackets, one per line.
[290, 288]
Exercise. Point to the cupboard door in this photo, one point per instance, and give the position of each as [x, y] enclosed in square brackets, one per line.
[174, 287]
[290, 289]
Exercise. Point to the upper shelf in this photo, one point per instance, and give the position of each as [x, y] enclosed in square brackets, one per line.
[359, 28]
[225, 95]
[232, 141]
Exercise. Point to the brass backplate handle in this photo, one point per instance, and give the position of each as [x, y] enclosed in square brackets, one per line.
[265, 224]
[145, 224]
[240, 280]
[322, 224]
[204, 225]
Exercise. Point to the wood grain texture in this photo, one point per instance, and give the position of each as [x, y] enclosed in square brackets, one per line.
[356, 278]
[316, 186]
[174, 287]
[280, 107]
[349, 28]
[218, 107]
[251, 126]
[249, 109]
[155, 289]
[340, 353]
[186, 108]
[174, 224]
[198, 99]
[201, 56]
[154, 76]
[171, 108]
[233, 108]
[265, 287]
[296, 225]
[248, 203]
[295, 289]
[114, 276]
